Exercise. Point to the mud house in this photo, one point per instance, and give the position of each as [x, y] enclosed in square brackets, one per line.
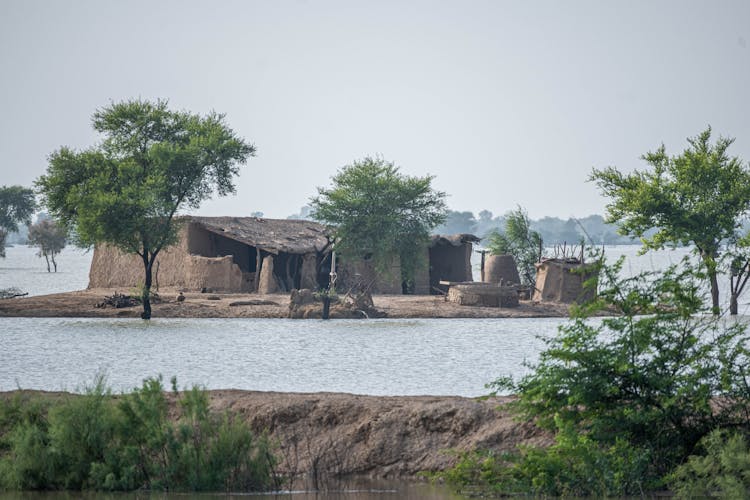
[563, 280]
[248, 254]
[226, 254]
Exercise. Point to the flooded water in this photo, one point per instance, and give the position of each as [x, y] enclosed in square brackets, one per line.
[377, 357]
[356, 489]
[22, 268]
[366, 490]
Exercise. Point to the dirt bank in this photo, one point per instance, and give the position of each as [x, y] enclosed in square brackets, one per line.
[333, 434]
[202, 305]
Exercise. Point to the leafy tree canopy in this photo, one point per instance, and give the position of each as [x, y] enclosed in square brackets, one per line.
[695, 198]
[50, 238]
[17, 205]
[151, 163]
[520, 241]
[377, 211]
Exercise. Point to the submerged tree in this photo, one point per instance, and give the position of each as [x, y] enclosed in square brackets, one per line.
[695, 198]
[50, 238]
[520, 241]
[380, 213]
[152, 162]
[17, 205]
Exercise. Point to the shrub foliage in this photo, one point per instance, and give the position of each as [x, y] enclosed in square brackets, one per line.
[629, 397]
[102, 442]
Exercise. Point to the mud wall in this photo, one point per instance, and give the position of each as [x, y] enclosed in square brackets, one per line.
[352, 272]
[422, 275]
[561, 282]
[174, 267]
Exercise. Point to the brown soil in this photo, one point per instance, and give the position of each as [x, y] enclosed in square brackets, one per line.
[332, 434]
[201, 305]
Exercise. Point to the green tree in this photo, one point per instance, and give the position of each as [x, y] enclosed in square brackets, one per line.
[152, 163]
[378, 212]
[695, 198]
[629, 397]
[50, 238]
[520, 241]
[17, 205]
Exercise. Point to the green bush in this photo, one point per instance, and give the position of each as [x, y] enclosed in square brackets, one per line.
[575, 465]
[629, 396]
[722, 472]
[98, 441]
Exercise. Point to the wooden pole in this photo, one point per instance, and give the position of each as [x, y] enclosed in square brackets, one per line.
[331, 287]
[257, 269]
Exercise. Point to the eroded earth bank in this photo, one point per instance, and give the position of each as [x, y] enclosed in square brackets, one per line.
[330, 435]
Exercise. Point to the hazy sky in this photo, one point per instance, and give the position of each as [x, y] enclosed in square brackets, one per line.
[505, 103]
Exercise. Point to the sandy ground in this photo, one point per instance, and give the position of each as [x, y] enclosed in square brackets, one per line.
[207, 305]
[334, 434]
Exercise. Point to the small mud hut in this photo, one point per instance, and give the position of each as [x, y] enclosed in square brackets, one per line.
[227, 254]
[449, 260]
[501, 269]
[562, 280]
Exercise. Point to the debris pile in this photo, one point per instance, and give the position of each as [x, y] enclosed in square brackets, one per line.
[118, 301]
[305, 304]
[13, 292]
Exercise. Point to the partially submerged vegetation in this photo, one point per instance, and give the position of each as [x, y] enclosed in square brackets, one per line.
[633, 399]
[103, 442]
[50, 237]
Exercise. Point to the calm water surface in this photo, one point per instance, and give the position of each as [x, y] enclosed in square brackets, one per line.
[378, 357]
[23, 269]
[380, 490]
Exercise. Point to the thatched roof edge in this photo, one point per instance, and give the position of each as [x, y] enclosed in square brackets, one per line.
[453, 239]
[271, 235]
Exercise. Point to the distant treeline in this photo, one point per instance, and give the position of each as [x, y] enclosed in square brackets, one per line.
[553, 229]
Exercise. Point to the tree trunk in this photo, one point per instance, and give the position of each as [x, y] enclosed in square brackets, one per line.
[714, 291]
[709, 260]
[54, 263]
[146, 296]
[737, 281]
[47, 259]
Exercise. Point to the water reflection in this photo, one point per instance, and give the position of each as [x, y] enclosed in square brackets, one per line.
[359, 490]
